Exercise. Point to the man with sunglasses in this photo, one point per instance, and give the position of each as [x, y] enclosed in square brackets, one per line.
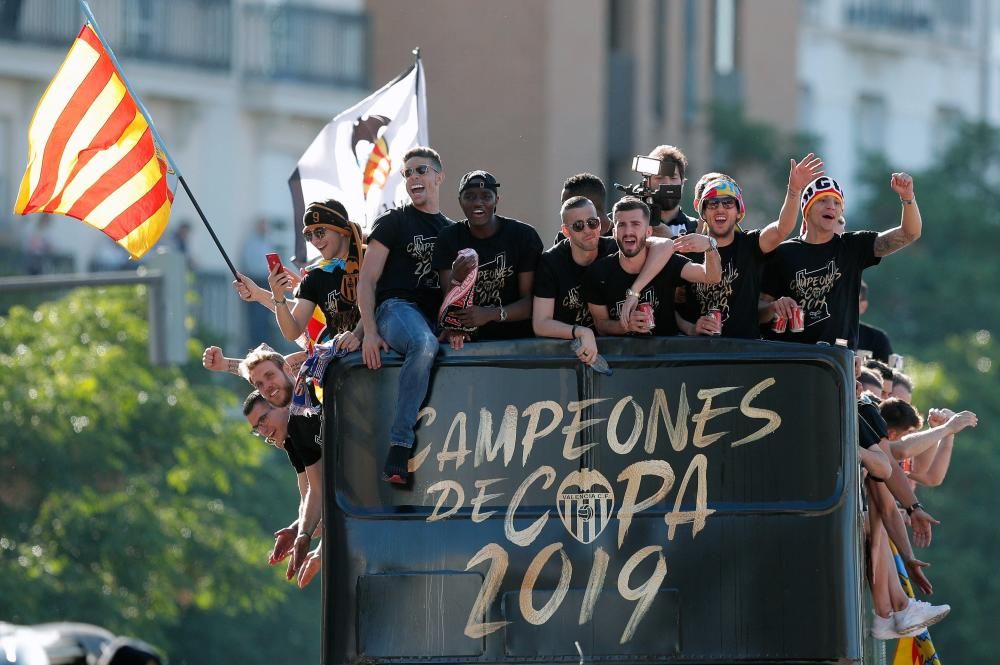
[399, 295]
[508, 252]
[719, 202]
[559, 309]
[330, 282]
[591, 187]
[271, 424]
[270, 374]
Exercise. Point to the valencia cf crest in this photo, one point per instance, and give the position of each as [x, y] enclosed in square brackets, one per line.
[586, 504]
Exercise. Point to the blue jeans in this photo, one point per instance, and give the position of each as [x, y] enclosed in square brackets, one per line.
[408, 332]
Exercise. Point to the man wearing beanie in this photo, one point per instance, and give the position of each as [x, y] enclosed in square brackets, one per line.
[719, 202]
[330, 282]
[399, 295]
[821, 270]
[508, 252]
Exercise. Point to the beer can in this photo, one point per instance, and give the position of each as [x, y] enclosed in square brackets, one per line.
[798, 323]
[896, 361]
[716, 314]
[648, 309]
[780, 323]
[840, 341]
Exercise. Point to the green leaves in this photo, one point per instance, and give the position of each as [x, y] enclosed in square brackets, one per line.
[133, 496]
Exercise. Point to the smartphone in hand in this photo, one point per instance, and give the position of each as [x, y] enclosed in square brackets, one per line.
[274, 260]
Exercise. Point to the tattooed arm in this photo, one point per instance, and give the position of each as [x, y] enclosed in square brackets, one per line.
[909, 228]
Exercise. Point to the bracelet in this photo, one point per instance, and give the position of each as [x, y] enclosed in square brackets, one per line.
[911, 509]
[277, 302]
[905, 201]
[572, 333]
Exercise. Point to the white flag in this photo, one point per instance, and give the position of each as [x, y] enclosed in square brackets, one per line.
[357, 157]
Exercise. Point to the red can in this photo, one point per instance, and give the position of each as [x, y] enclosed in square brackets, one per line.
[716, 314]
[798, 320]
[648, 309]
[780, 323]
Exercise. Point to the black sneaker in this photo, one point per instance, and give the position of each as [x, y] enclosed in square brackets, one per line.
[395, 470]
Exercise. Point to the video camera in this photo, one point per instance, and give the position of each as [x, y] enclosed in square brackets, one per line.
[664, 197]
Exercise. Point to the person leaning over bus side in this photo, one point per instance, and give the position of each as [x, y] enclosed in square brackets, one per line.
[559, 309]
[399, 295]
[590, 187]
[606, 282]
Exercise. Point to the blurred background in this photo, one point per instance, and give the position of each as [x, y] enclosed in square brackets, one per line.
[131, 495]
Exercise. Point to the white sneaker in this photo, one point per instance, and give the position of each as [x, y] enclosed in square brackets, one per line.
[917, 616]
[884, 628]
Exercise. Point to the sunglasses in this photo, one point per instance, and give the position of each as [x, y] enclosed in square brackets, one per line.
[319, 234]
[419, 170]
[726, 202]
[578, 225]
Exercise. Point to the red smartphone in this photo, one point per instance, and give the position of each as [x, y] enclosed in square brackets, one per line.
[274, 260]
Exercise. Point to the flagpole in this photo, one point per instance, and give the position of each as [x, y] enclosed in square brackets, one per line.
[152, 128]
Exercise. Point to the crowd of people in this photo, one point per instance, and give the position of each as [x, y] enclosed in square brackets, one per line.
[419, 280]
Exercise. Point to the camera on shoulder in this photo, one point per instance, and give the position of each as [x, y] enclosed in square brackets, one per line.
[664, 197]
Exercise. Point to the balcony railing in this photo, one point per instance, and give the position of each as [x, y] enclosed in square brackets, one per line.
[194, 33]
[287, 42]
[259, 41]
[951, 21]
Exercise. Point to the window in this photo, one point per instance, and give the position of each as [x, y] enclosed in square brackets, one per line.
[725, 37]
[870, 127]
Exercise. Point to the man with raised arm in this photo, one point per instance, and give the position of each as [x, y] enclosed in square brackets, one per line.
[719, 201]
[607, 281]
[399, 295]
[821, 270]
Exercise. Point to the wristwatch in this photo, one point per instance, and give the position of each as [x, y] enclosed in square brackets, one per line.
[503, 314]
[629, 293]
[910, 509]
[713, 244]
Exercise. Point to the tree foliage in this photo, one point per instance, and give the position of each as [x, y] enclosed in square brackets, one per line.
[132, 496]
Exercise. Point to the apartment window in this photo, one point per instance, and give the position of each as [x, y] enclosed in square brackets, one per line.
[871, 124]
[805, 108]
[947, 121]
[725, 37]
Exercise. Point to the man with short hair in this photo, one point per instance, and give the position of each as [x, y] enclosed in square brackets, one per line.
[719, 202]
[591, 187]
[271, 376]
[399, 295]
[672, 221]
[871, 338]
[902, 386]
[926, 453]
[607, 281]
[821, 271]
[559, 309]
[304, 453]
[507, 251]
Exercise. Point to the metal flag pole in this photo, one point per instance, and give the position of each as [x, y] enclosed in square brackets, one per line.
[152, 128]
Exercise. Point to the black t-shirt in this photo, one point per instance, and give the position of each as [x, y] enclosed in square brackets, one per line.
[409, 235]
[303, 445]
[336, 293]
[605, 283]
[875, 340]
[513, 249]
[872, 427]
[824, 280]
[736, 294]
[680, 224]
[561, 278]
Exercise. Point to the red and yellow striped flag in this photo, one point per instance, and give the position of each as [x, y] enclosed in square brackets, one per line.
[91, 153]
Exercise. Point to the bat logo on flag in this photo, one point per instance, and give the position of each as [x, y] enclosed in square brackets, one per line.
[370, 130]
[586, 503]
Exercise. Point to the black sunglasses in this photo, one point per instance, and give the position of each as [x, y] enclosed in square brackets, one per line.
[726, 202]
[318, 233]
[591, 223]
[420, 170]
